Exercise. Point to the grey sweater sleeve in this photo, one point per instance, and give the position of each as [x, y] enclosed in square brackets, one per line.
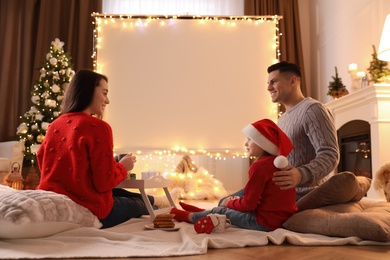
[311, 129]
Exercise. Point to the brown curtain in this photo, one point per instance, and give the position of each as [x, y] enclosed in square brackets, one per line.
[27, 28]
[290, 41]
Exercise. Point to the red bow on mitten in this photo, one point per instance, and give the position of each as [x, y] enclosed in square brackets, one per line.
[206, 224]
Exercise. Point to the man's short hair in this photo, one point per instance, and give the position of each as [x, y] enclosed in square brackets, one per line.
[285, 66]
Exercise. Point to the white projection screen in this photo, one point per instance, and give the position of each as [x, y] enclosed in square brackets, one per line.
[192, 83]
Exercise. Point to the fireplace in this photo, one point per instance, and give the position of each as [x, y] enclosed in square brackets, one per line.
[362, 119]
[355, 148]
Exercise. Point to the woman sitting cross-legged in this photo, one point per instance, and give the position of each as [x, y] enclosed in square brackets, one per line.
[76, 157]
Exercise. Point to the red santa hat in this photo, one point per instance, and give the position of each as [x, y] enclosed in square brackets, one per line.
[266, 134]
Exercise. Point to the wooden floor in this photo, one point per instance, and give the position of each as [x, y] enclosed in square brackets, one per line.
[286, 251]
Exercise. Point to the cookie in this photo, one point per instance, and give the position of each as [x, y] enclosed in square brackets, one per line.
[165, 216]
[164, 221]
[164, 225]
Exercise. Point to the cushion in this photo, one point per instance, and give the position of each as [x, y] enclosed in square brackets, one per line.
[340, 188]
[36, 213]
[364, 219]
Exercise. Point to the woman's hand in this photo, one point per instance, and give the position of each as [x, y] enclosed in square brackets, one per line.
[128, 161]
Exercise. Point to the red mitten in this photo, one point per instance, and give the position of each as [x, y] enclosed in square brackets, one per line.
[205, 225]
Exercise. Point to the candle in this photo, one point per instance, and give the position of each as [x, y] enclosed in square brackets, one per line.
[360, 74]
[352, 66]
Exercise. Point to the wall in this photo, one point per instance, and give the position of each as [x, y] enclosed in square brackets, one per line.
[340, 33]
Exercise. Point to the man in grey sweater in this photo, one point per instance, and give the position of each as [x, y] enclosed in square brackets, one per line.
[310, 127]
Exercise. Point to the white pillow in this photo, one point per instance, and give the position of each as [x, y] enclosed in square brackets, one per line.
[37, 213]
[33, 230]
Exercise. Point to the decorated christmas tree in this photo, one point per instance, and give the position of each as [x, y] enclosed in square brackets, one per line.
[46, 98]
[336, 87]
[378, 69]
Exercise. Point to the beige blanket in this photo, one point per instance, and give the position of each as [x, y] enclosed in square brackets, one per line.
[131, 239]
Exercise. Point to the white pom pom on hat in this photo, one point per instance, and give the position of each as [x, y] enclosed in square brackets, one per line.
[266, 134]
[280, 162]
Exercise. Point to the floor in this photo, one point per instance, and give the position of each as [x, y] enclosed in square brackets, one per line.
[287, 251]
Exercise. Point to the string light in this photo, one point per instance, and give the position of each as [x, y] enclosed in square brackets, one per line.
[127, 21]
[172, 153]
[46, 96]
[194, 181]
[166, 160]
[132, 21]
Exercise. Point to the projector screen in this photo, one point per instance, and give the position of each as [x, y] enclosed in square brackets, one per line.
[192, 83]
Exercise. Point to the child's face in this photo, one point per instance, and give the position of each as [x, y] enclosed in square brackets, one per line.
[253, 149]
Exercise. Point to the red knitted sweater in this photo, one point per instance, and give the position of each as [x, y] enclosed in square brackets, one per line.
[272, 206]
[76, 159]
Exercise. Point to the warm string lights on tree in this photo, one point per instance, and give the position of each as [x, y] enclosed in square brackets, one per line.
[46, 98]
[131, 21]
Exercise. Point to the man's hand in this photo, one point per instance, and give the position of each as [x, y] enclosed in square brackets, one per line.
[287, 178]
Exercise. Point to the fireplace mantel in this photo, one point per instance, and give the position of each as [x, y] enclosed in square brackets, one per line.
[371, 104]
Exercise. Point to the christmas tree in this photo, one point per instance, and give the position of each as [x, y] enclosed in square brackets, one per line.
[378, 69]
[46, 98]
[336, 87]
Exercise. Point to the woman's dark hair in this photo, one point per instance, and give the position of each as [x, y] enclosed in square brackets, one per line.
[285, 66]
[79, 93]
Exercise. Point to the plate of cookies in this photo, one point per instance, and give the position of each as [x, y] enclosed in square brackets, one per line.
[163, 222]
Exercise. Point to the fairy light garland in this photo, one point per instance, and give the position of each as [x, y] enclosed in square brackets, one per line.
[218, 155]
[131, 21]
[165, 160]
[134, 21]
[198, 183]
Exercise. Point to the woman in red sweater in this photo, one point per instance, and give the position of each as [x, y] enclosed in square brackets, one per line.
[263, 206]
[76, 157]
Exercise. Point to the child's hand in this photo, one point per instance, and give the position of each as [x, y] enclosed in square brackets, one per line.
[225, 202]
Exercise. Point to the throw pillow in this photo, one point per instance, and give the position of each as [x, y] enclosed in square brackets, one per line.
[37, 213]
[363, 219]
[340, 188]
